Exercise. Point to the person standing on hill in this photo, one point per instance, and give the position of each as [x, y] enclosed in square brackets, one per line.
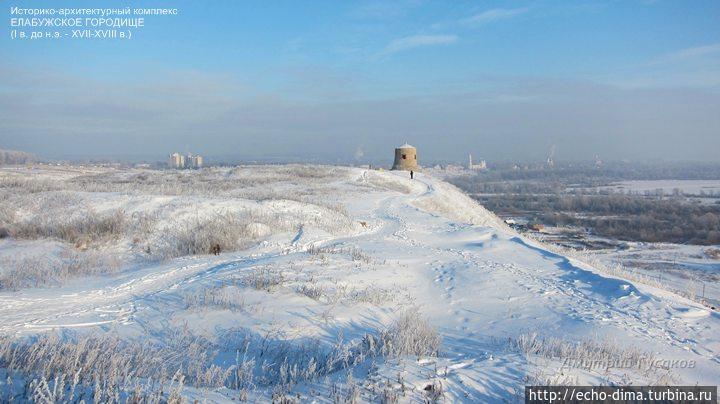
[412, 174]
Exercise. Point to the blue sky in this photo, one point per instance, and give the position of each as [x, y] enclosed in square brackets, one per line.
[323, 79]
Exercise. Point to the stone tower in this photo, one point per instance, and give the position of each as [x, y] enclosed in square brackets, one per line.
[405, 158]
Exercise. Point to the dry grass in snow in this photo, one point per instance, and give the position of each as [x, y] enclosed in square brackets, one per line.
[106, 368]
[145, 216]
[25, 271]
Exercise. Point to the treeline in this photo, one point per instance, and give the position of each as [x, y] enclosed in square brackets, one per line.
[618, 216]
[16, 157]
[472, 186]
[588, 175]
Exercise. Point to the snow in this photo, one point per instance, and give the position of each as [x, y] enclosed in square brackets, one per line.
[477, 282]
[681, 267]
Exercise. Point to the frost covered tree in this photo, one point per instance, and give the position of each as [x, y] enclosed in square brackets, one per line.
[16, 157]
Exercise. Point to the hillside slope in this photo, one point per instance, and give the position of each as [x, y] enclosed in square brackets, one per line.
[508, 311]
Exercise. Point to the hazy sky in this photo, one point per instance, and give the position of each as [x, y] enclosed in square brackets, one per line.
[338, 79]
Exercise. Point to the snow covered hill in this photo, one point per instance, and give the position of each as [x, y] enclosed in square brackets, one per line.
[346, 284]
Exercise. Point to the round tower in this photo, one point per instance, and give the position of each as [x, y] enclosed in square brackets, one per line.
[405, 158]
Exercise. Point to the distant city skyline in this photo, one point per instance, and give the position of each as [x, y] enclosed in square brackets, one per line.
[350, 81]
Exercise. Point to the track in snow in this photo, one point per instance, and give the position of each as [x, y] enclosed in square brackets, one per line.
[477, 284]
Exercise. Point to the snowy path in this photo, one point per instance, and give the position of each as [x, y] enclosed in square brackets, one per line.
[476, 283]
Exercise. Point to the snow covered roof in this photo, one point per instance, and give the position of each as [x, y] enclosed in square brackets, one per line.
[406, 146]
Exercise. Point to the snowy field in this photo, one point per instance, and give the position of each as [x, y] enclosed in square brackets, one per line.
[695, 269]
[331, 284]
[692, 270]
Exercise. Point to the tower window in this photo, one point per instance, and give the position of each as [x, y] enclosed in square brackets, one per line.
[404, 156]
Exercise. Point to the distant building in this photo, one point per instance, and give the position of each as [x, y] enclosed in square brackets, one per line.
[179, 161]
[479, 166]
[194, 161]
[551, 157]
[405, 158]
